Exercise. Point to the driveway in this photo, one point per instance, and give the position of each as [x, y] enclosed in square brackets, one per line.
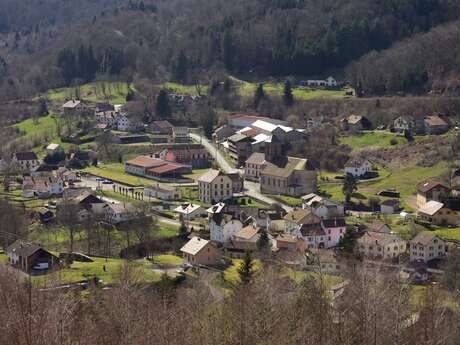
[252, 189]
[212, 149]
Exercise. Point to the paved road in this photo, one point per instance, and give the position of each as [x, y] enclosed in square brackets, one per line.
[216, 154]
[251, 188]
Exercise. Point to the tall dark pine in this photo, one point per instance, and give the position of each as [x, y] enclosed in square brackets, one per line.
[208, 123]
[43, 108]
[180, 68]
[227, 51]
[163, 109]
[246, 269]
[288, 97]
[259, 95]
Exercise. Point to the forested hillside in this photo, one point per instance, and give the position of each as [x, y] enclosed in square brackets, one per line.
[61, 42]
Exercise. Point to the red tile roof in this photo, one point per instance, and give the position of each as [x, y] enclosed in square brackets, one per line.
[145, 161]
[166, 168]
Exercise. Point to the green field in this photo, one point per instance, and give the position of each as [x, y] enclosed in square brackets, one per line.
[98, 92]
[166, 230]
[403, 180]
[168, 259]
[185, 89]
[116, 173]
[247, 89]
[80, 271]
[373, 139]
[452, 234]
[14, 196]
[231, 275]
[288, 200]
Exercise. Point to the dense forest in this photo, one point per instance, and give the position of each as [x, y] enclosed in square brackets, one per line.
[188, 40]
[266, 310]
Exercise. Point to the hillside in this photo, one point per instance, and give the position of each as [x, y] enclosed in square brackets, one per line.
[191, 40]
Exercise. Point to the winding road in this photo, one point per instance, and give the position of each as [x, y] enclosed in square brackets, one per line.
[252, 189]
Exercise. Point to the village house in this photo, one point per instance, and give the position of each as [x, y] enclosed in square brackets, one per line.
[160, 127]
[436, 213]
[237, 181]
[223, 226]
[294, 219]
[162, 192]
[405, 123]
[30, 257]
[194, 155]
[243, 241]
[214, 186]
[86, 202]
[198, 252]
[68, 176]
[322, 260]
[72, 107]
[334, 229]
[45, 215]
[108, 118]
[313, 235]
[220, 207]
[390, 206]
[358, 167]
[26, 161]
[379, 245]
[118, 213]
[330, 82]
[322, 207]
[127, 123]
[222, 133]
[426, 246]
[289, 176]
[378, 226]
[288, 243]
[434, 125]
[190, 212]
[355, 123]
[254, 166]
[54, 149]
[430, 190]
[42, 187]
[239, 147]
[322, 235]
[78, 159]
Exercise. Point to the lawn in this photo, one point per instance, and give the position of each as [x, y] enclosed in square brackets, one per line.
[404, 180]
[116, 173]
[185, 89]
[14, 196]
[98, 92]
[231, 275]
[247, 89]
[373, 139]
[168, 259]
[165, 230]
[288, 200]
[451, 234]
[80, 271]
[3, 257]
